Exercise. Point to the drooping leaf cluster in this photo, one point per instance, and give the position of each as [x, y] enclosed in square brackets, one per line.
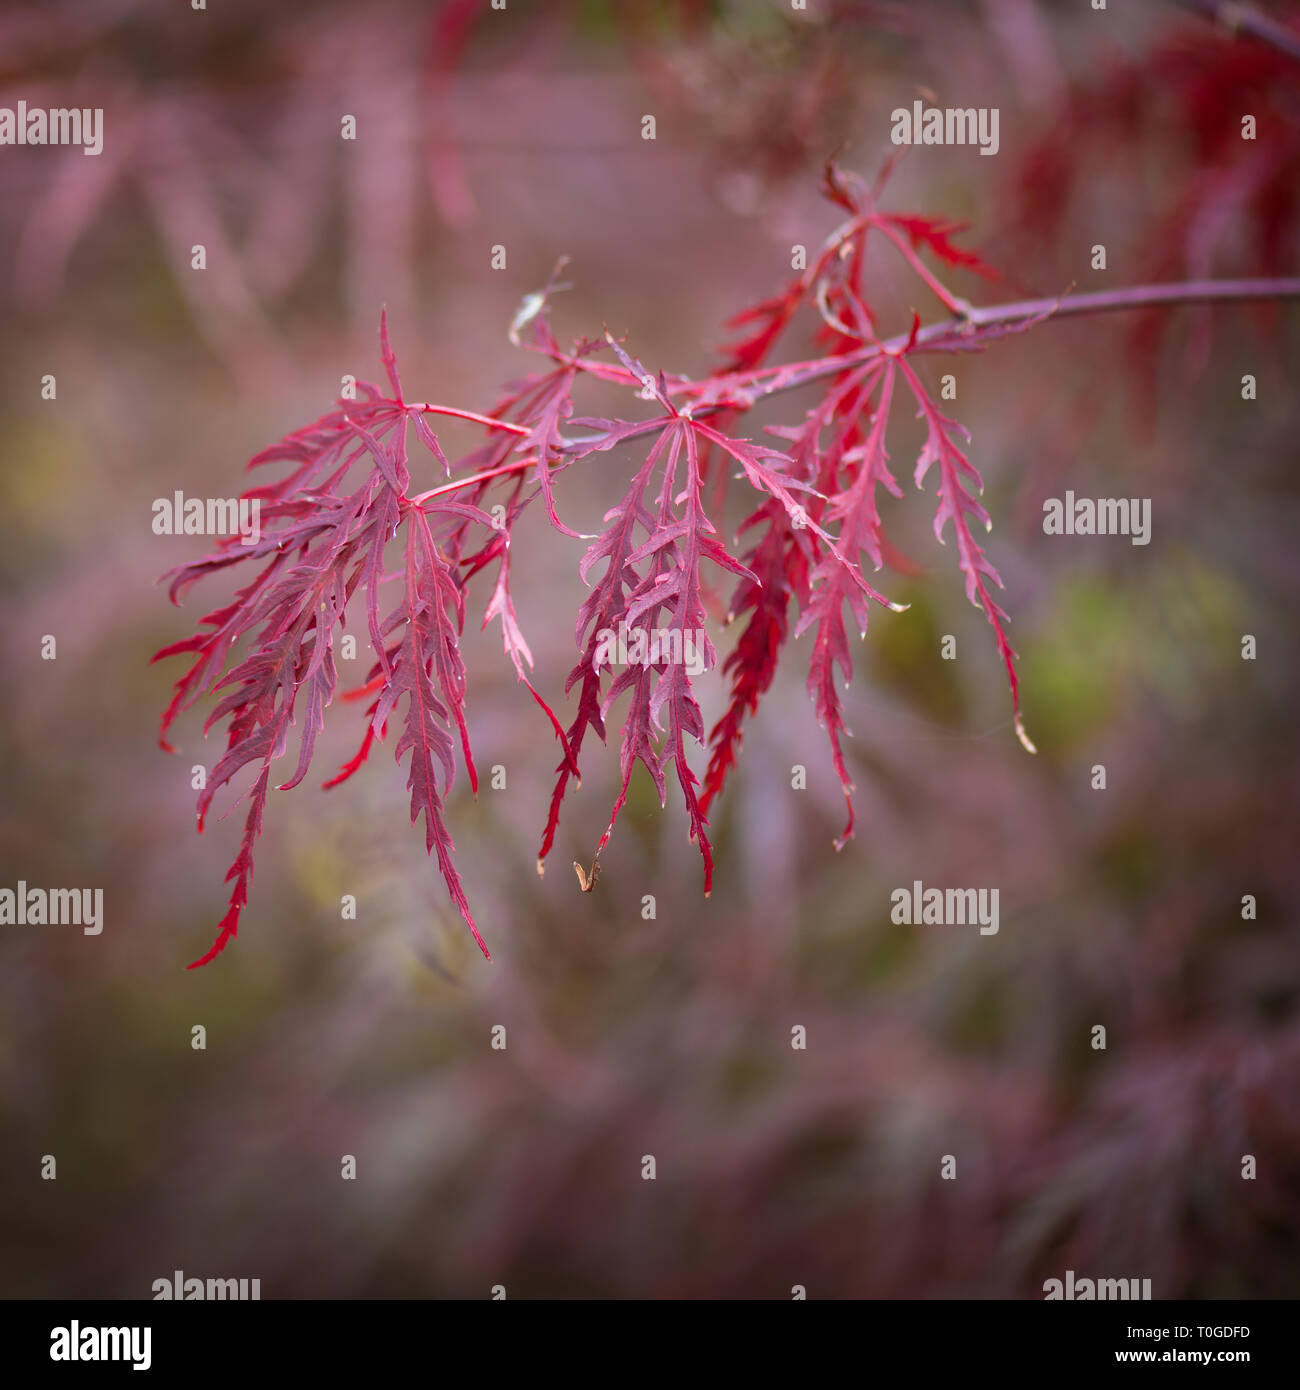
[346, 537]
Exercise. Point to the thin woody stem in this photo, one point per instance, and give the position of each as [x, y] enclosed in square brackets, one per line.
[948, 299]
[457, 483]
[964, 330]
[470, 415]
[1136, 297]
[793, 375]
[1238, 18]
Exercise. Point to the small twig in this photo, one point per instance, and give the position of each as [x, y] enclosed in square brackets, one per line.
[472, 416]
[950, 301]
[470, 479]
[1238, 18]
[794, 375]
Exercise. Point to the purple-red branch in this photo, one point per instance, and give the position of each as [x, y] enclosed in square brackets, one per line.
[292, 611]
[960, 333]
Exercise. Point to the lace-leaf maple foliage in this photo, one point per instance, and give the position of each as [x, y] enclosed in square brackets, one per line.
[347, 493]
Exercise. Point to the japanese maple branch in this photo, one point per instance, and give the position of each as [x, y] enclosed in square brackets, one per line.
[1138, 297]
[471, 415]
[1238, 18]
[952, 334]
[963, 331]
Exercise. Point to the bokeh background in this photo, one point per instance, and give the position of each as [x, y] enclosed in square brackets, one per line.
[669, 1037]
